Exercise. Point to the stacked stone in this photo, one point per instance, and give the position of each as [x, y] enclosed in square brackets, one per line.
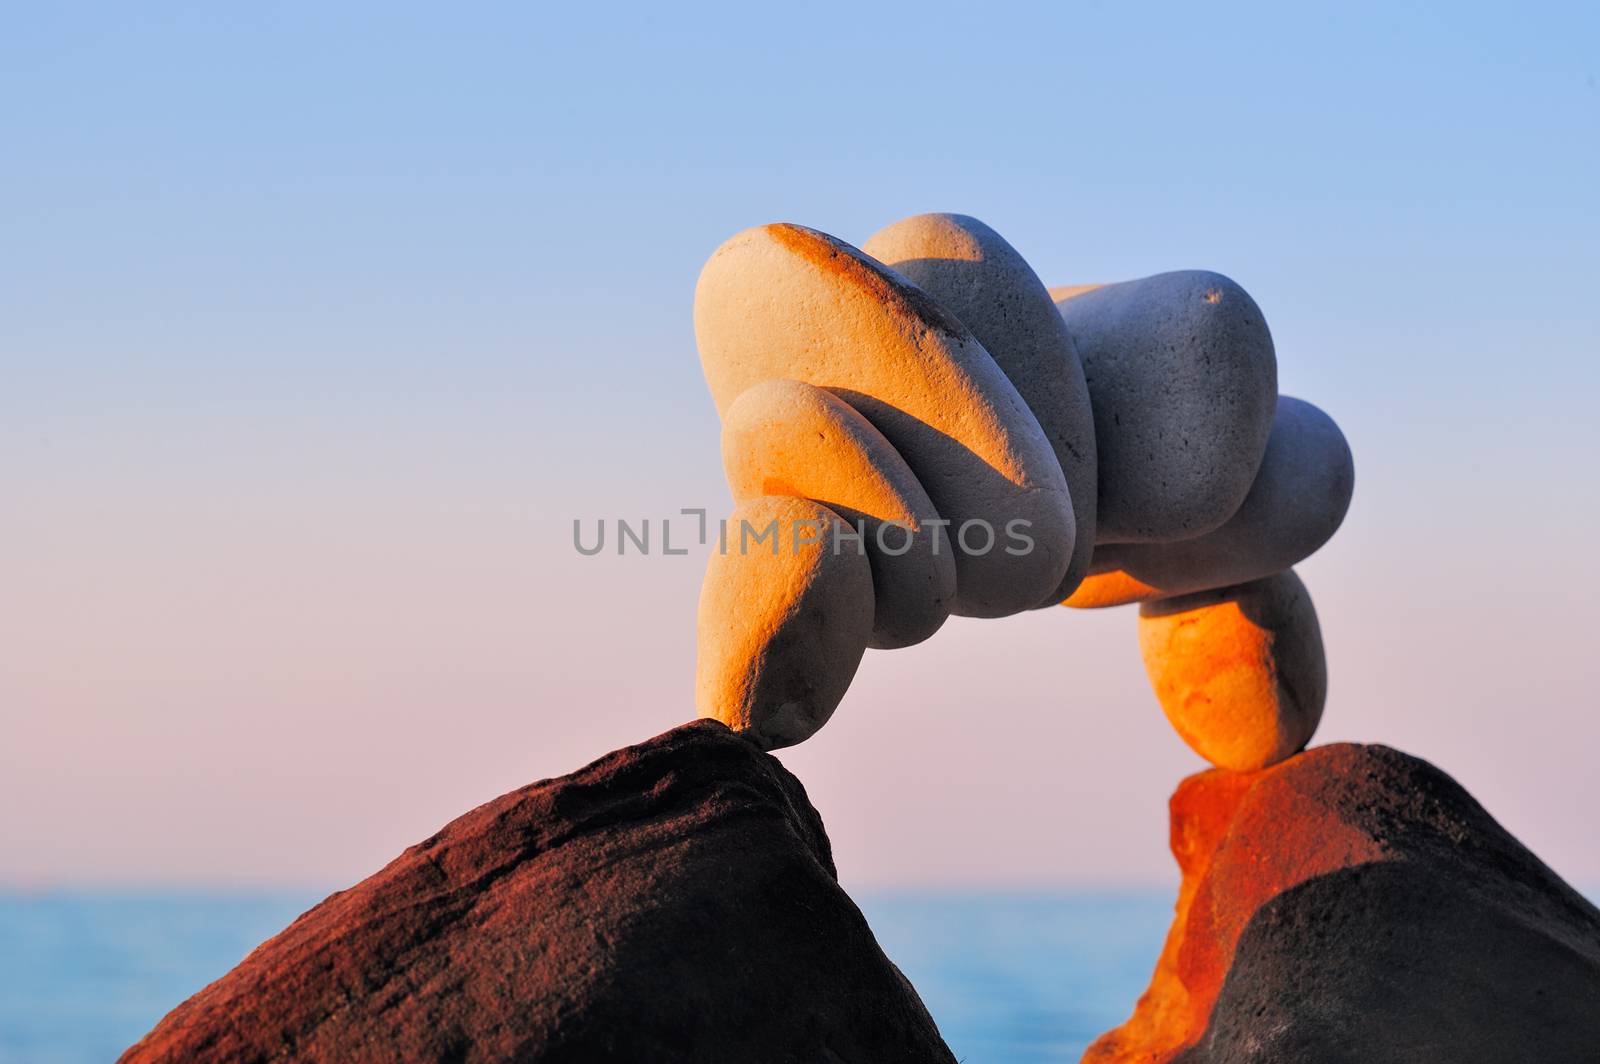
[921, 428]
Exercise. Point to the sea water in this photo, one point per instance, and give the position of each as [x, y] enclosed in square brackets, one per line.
[1010, 978]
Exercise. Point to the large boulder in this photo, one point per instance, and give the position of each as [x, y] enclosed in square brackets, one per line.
[1355, 905]
[673, 901]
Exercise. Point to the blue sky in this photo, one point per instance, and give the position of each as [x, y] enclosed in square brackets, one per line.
[319, 326]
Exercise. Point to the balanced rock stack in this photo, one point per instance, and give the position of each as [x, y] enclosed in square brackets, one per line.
[911, 431]
[920, 428]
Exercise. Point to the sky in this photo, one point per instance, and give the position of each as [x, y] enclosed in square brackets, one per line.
[318, 329]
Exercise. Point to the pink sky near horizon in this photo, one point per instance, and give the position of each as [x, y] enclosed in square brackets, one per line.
[280, 668]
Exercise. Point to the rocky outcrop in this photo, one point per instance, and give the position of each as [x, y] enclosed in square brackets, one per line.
[673, 901]
[1355, 905]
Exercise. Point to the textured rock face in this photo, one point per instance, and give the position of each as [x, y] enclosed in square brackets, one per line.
[673, 901]
[1355, 905]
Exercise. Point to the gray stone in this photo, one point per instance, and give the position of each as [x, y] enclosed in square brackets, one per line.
[791, 438]
[784, 301]
[1183, 378]
[974, 272]
[782, 624]
[1298, 500]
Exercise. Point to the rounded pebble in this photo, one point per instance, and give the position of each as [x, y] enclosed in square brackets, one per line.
[1300, 496]
[973, 271]
[1239, 671]
[1183, 380]
[785, 437]
[783, 301]
[783, 623]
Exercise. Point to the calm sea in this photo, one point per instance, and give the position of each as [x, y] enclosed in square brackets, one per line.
[1011, 978]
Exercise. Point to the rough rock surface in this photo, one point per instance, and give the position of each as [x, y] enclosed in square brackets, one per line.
[673, 901]
[1354, 905]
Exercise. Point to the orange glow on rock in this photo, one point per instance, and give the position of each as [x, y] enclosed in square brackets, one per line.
[1240, 839]
[1115, 588]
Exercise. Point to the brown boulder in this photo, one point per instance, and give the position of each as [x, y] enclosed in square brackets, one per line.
[1355, 905]
[673, 901]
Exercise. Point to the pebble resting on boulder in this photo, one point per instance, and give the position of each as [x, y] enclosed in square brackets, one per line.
[782, 625]
[994, 446]
[1239, 671]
